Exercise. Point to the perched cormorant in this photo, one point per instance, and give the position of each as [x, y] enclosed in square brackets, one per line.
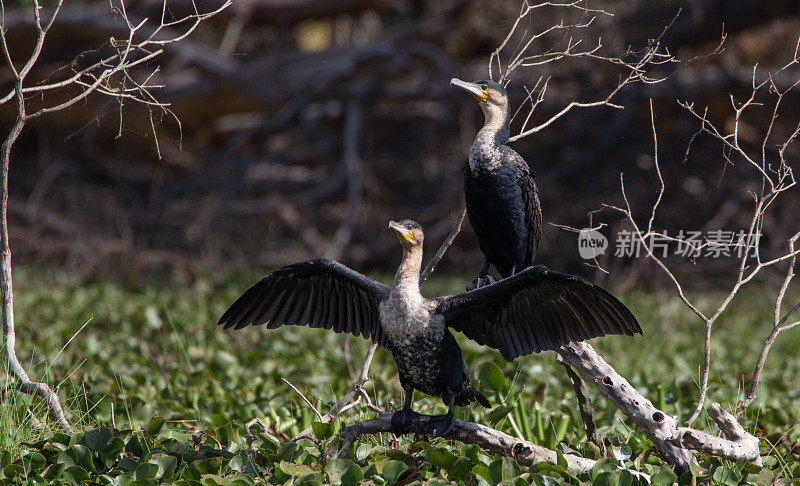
[499, 189]
[532, 311]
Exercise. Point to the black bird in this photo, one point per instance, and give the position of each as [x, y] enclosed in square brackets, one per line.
[532, 311]
[499, 189]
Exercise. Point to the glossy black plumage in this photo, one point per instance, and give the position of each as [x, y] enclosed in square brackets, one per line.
[499, 188]
[535, 310]
[503, 209]
[318, 293]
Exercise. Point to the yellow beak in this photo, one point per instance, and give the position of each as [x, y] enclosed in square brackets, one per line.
[403, 234]
[472, 88]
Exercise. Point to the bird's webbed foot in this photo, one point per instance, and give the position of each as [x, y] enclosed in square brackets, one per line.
[482, 280]
[439, 425]
[403, 421]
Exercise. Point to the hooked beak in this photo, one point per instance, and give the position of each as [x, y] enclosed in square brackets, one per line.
[403, 234]
[472, 88]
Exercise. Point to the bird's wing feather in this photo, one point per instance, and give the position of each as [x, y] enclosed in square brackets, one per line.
[530, 196]
[536, 310]
[317, 293]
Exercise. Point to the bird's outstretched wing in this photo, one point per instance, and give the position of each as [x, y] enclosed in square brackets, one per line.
[317, 293]
[530, 196]
[536, 310]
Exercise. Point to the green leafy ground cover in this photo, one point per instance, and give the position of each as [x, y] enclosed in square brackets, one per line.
[159, 394]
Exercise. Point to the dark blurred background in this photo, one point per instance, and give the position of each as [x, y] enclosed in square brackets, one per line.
[307, 125]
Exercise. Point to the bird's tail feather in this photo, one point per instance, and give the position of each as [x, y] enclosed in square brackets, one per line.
[471, 395]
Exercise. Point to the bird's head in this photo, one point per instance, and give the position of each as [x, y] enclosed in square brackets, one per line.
[408, 232]
[491, 97]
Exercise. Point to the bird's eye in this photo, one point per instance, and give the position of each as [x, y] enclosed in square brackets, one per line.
[484, 87]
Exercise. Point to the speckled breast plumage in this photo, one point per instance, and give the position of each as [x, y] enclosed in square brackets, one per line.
[415, 337]
[419, 363]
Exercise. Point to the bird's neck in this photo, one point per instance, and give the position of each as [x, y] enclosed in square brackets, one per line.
[497, 126]
[495, 132]
[407, 277]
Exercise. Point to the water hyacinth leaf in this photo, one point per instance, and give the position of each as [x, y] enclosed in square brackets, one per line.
[765, 477]
[483, 471]
[460, 468]
[191, 472]
[404, 456]
[491, 376]
[664, 475]
[146, 470]
[472, 452]
[166, 465]
[155, 425]
[111, 451]
[13, 470]
[498, 413]
[242, 480]
[344, 471]
[62, 438]
[437, 482]
[54, 471]
[322, 430]
[392, 470]
[503, 469]
[606, 478]
[243, 463]
[289, 451]
[74, 474]
[605, 464]
[33, 461]
[626, 478]
[590, 450]
[78, 455]
[96, 439]
[726, 475]
[552, 469]
[135, 447]
[440, 457]
[228, 434]
[127, 464]
[295, 470]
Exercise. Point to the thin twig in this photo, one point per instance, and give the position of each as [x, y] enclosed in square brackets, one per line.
[429, 268]
[584, 405]
[343, 402]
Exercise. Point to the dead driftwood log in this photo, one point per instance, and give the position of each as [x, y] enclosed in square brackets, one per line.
[487, 438]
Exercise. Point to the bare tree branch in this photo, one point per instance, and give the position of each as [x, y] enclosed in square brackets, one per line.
[112, 77]
[584, 405]
[437, 257]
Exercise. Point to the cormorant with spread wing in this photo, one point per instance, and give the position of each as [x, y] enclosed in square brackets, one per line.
[499, 189]
[532, 311]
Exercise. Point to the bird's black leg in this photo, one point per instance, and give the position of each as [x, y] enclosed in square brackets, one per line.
[439, 425]
[402, 420]
[483, 279]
